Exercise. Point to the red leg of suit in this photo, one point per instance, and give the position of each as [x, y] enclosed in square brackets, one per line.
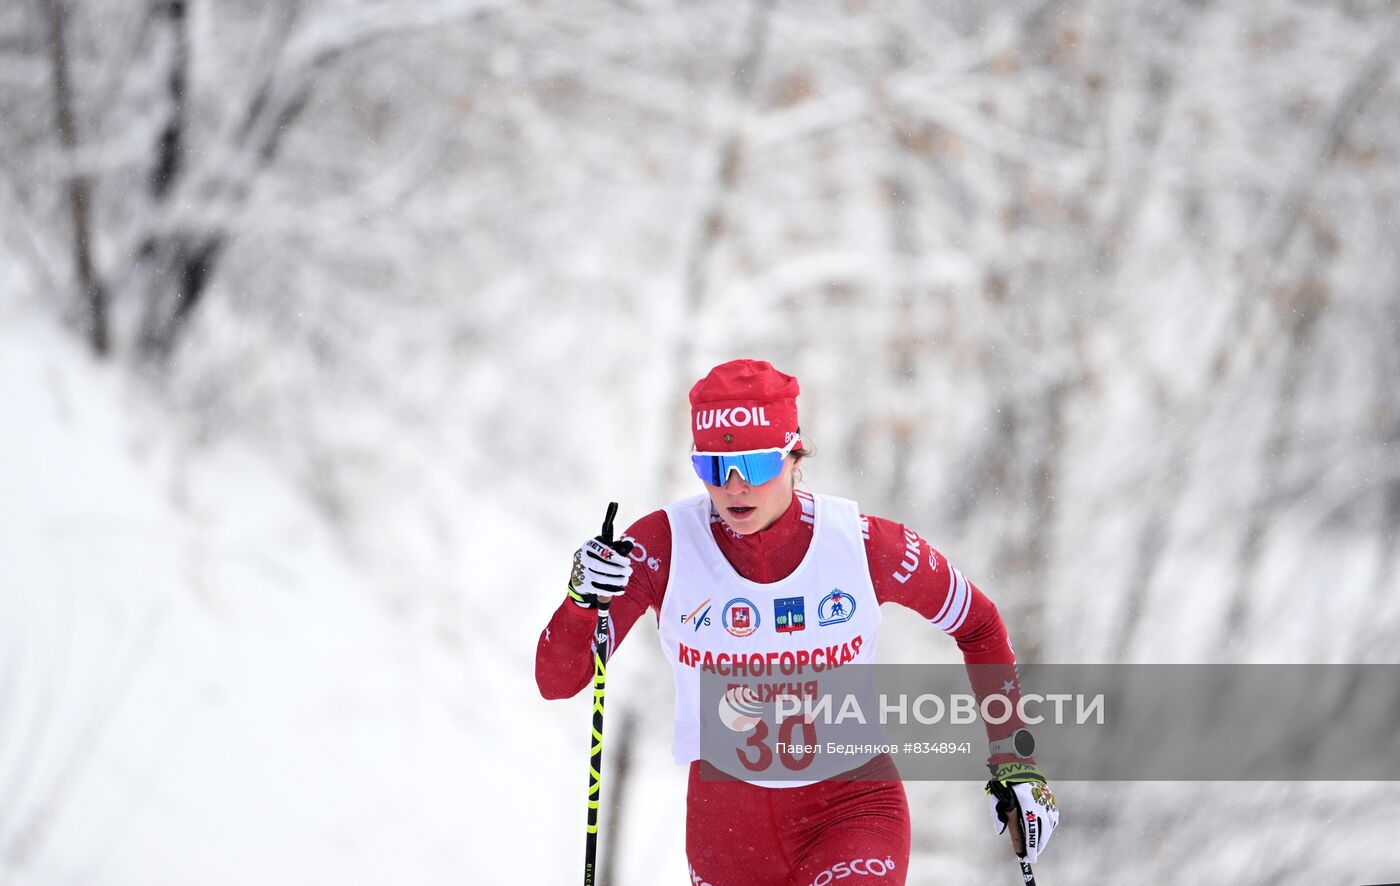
[856, 830]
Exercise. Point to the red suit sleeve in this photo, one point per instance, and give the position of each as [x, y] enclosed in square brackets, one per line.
[906, 570]
[564, 654]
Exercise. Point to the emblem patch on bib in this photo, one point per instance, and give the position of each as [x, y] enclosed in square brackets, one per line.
[835, 608]
[789, 615]
[740, 617]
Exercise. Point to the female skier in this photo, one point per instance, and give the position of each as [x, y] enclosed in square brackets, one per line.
[773, 552]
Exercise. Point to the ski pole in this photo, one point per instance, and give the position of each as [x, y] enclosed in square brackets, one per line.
[600, 678]
[1026, 873]
[1006, 803]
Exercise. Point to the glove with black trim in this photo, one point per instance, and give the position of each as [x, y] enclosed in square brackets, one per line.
[601, 570]
[1022, 803]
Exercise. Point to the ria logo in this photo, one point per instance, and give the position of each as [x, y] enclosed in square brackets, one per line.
[698, 618]
[835, 608]
[741, 708]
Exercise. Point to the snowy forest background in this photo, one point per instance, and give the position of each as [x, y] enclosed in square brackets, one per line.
[329, 327]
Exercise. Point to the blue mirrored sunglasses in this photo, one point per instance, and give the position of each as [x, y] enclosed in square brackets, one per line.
[755, 467]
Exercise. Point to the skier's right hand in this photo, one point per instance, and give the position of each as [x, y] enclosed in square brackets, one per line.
[1020, 801]
[600, 572]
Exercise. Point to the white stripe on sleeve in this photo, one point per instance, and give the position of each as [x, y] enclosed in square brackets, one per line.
[955, 608]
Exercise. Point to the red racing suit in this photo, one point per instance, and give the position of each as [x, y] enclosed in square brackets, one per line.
[738, 833]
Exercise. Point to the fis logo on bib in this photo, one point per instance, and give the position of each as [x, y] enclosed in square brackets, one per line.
[699, 618]
[835, 608]
[789, 615]
[740, 617]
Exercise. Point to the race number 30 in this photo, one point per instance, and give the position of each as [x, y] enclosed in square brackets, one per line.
[762, 758]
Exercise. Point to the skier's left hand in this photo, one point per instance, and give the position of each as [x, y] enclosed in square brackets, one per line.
[1022, 802]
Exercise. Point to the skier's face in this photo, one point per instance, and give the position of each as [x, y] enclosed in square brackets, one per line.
[748, 509]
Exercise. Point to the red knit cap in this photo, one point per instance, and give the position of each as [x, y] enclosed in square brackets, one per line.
[743, 405]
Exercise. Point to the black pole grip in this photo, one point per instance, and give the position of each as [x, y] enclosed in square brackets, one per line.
[623, 547]
[607, 535]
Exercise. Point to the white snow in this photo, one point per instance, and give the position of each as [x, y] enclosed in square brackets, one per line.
[199, 685]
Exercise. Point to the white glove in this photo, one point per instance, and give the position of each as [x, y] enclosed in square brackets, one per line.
[1018, 792]
[600, 572]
